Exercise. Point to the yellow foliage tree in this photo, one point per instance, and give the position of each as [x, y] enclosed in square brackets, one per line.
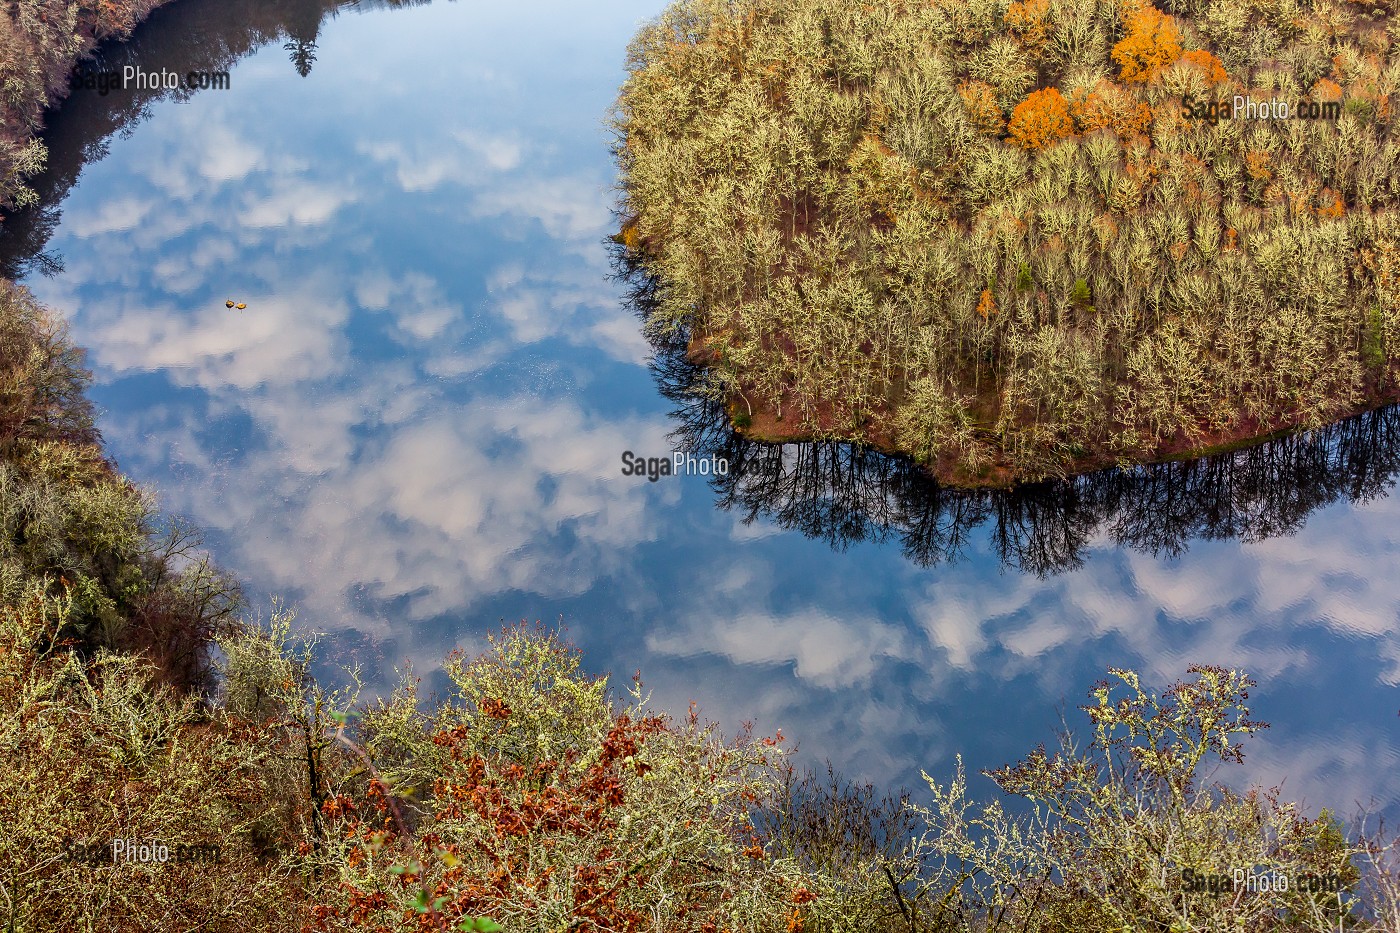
[1041, 119]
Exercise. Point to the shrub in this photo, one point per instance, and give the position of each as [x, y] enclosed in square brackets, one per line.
[531, 799]
[98, 751]
[852, 843]
[552, 808]
[1031, 20]
[1327, 90]
[1117, 830]
[71, 524]
[42, 378]
[1079, 295]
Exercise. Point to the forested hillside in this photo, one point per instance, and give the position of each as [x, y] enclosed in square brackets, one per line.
[1017, 239]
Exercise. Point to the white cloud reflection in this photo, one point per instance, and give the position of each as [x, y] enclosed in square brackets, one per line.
[433, 430]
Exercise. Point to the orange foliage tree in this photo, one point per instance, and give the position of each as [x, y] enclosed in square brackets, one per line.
[1030, 19]
[1259, 164]
[1041, 119]
[1327, 90]
[1330, 204]
[1152, 43]
[986, 305]
[1208, 63]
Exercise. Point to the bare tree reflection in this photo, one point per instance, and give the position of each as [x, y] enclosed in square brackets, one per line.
[843, 494]
[192, 35]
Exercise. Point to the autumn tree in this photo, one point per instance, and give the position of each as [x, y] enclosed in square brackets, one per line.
[1030, 20]
[1151, 44]
[1041, 119]
[1108, 105]
[979, 101]
[1210, 65]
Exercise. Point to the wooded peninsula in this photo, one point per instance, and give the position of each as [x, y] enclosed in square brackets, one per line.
[169, 762]
[1020, 240]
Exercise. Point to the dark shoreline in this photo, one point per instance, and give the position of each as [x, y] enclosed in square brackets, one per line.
[843, 492]
[950, 474]
[51, 54]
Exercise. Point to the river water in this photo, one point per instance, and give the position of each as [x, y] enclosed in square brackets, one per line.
[415, 430]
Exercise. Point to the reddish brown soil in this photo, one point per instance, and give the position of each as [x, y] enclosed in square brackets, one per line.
[765, 425]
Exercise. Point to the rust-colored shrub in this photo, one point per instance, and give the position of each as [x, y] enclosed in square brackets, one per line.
[1108, 105]
[1151, 44]
[532, 799]
[980, 102]
[1040, 120]
[1208, 63]
[114, 17]
[523, 813]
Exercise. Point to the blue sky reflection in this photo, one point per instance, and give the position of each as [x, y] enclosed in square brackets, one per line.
[413, 431]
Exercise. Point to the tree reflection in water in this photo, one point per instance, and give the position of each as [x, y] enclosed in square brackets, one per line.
[192, 35]
[844, 494]
[836, 492]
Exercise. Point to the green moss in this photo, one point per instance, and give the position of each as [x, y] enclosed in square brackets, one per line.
[1373, 350]
[1358, 108]
[1079, 294]
[1024, 281]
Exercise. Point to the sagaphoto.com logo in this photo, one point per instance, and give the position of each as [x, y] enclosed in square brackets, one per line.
[679, 463]
[132, 77]
[1244, 107]
[98, 852]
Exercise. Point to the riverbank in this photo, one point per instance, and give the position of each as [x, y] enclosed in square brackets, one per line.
[762, 421]
[765, 426]
[526, 793]
[44, 40]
